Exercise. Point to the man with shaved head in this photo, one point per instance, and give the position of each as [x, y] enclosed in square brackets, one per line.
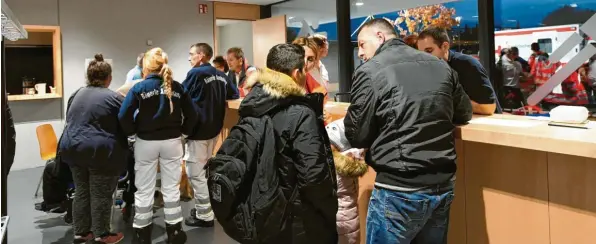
[404, 104]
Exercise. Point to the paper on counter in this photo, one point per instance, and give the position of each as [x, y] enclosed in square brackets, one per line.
[506, 122]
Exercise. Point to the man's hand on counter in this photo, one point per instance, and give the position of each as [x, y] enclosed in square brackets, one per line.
[484, 109]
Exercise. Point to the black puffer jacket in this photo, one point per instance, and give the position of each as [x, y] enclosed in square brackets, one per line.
[404, 104]
[305, 159]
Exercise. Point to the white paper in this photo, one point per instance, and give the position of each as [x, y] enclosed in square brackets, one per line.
[506, 122]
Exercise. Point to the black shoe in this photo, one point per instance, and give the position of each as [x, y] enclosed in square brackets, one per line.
[144, 234]
[193, 221]
[175, 234]
[52, 208]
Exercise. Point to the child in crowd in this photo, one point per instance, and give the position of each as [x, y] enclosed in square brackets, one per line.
[349, 165]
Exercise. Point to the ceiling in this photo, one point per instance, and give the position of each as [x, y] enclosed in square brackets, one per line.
[258, 2]
[323, 11]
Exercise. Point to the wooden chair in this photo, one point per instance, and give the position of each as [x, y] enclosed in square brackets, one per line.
[48, 143]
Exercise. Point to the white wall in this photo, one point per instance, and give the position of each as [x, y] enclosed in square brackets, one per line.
[236, 35]
[119, 30]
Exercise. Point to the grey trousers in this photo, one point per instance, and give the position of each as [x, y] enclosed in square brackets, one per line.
[93, 200]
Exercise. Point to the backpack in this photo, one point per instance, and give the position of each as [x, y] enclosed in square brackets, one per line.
[244, 183]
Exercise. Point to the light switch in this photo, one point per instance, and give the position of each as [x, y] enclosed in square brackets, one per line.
[149, 43]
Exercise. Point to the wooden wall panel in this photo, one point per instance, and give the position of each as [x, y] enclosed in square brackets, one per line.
[506, 195]
[572, 195]
[266, 34]
[237, 11]
[457, 218]
[34, 38]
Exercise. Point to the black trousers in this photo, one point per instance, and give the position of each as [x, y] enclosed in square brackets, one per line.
[128, 195]
[93, 200]
[55, 182]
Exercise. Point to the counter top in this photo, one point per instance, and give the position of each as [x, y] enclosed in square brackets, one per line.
[511, 131]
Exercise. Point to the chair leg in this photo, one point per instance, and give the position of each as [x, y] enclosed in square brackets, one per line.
[36, 195]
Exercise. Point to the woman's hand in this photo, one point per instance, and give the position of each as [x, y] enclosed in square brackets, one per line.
[355, 153]
[127, 86]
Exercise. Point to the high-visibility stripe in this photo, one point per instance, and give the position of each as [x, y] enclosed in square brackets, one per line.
[203, 201]
[171, 204]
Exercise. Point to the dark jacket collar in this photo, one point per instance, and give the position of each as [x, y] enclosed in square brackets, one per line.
[388, 44]
[152, 76]
[451, 53]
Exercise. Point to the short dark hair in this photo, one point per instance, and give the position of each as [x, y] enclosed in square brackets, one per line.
[514, 50]
[535, 47]
[285, 58]
[219, 60]
[204, 48]
[98, 71]
[382, 24]
[238, 53]
[438, 34]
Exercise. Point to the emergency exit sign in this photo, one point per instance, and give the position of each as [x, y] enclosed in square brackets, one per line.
[202, 8]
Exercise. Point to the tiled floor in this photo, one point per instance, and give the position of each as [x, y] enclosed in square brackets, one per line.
[28, 226]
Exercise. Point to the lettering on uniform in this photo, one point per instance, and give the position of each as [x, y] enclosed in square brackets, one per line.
[149, 94]
[213, 78]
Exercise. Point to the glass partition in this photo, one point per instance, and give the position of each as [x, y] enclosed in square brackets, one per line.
[542, 54]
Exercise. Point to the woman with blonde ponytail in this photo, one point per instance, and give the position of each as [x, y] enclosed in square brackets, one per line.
[165, 114]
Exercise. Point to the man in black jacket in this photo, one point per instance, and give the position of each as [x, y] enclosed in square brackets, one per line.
[209, 89]
[304, 154]
[404, 104]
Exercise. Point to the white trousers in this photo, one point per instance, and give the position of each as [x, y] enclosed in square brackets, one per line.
[168, 154]
[197, 155]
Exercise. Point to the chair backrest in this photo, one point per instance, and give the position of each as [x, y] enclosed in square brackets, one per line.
[47, 141]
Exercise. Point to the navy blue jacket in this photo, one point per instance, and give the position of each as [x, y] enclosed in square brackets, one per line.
[93, 137]
[209, 89]
[155, 121]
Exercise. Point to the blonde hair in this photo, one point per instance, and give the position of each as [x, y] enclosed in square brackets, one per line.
[307, 42]
[156, 62]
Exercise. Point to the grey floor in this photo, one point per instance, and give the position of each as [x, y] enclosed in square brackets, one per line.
[28, 226]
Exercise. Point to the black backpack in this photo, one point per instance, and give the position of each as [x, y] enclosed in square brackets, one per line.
[244, 183]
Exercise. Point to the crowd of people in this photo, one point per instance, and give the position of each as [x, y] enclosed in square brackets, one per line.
[288, 172]
[520, 78]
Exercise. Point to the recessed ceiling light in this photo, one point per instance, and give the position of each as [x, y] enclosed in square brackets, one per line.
[359, 3]
[573, 5]
[291, 17]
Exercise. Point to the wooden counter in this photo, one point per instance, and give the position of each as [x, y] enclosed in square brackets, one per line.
[518, 181]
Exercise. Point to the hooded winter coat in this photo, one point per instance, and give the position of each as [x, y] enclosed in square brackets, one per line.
[304, 157]
[348, 170]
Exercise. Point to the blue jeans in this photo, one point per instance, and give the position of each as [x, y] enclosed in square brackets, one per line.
[420, 217]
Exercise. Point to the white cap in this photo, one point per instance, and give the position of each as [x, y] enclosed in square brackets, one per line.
[337, 136]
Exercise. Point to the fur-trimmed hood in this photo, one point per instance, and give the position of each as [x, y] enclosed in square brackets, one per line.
[348, 167]
[276, 84]
[269, 89]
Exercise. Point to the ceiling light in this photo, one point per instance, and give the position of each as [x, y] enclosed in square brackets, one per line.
[359, 4]
[573, 5]
[291, 17]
